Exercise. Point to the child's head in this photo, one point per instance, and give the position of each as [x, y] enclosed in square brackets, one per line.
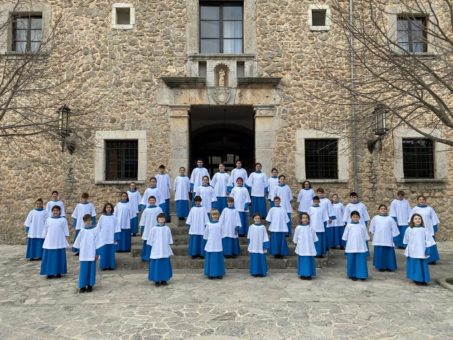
[200, 163]
[258, 166]
[316, 200]
[197, 200]
[416, 219]
[354, 198]
[124, 196]
[39, 203]
[400, 194]
[320, 192]
[256, 218]
[87, 220]
[421, 200]
[132, 186]
[221, 167]
[382, 209]
[277, 201]
[161, 169]
[274, 172]
[304, 218]
[281, 179]
[215, 214]
[182, 171]
[56, 211]
[239, 182]
[306, 185]
[55, 195]
[335, 198]
[238, 164]
[152, 200]
[108, 208]
[161, 218]
[230, 202]
[85, 197]
[205, 180]
[355, 216]
[152, 182]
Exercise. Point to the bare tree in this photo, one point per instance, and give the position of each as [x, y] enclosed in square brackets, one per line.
[402, 66]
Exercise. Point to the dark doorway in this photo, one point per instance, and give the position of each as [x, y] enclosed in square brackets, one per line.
[222, 134]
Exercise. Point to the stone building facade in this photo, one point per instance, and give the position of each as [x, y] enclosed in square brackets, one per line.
[143, 64]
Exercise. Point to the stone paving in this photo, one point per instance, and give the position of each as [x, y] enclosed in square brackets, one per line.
[124, 305]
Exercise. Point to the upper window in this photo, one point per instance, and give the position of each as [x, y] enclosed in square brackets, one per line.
[221, 27]
[412, 33]
[123, 16]
[418, 158]
[121, 160]
[26, 33]
[319, 17]
[321, 158]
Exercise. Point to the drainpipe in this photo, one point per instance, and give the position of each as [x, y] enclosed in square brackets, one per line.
[355, 166]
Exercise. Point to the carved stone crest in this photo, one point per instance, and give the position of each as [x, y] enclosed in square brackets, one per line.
[221, 95]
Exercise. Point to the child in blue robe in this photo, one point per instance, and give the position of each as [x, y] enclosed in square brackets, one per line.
[257, 183]
[305, 239]
[134, 198]
[34, 227]
[258, 246]
[109, 233]
[242, 202]
[318, 220]
[230, 222]
[214, 264]
[196, 221]
[400, 211]
[220, 184]
[148, 221]
[182, 190]
[83, 208]
[164, 186]
[124, 214]
[278, 228]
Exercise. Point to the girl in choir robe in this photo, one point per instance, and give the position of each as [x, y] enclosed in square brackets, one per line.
[400, 211]
[356, 237]
[431, 223]
[124, 215]
[109, 234]
[278, 228]
[82, 209]
[55, 236]
[55, 201]
[220, 184]
[272, 183]
[207, 194]
[230, 223]
[305, 239]
[237, 172]
[86, 243]
[242, 202]
[134, 198]
[384, 230]
[148, 221]
[34, 227]
[152, 190]
[318, 218]
[182, 189]
[258, 246]
[257, 182]
[196, 178]
[196, 221]
[160, 241]
[336, 226]
[305, 197]
[164, 187]
[356, 205]
[419, 241]
[284, 192]
[214, 264]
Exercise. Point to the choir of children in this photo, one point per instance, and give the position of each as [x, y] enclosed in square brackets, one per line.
[219, 217]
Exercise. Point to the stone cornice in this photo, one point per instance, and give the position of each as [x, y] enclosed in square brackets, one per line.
[184, 82]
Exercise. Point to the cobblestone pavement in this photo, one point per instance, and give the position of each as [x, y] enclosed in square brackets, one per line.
[125, 305]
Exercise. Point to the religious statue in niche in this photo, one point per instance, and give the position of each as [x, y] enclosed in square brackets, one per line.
[222, 75]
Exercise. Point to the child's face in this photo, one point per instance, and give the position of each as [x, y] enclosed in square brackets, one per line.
[422, 200]
[400, 197]
[277, 202]
[182, 172]
[221, 168]
[39, 204]
[354, 199]
[274, 173]
[161, 220]
[152, 201]
[205, 181]
[161, 170]
[108, 209]
[84, 200]
[258, 167]
[320, 194]
[315, 202]
[230, 204]
[355, 218]
[238, 165]
[383, 210]
[55, 196]
[87, 223]
[152, 183]
[335, 198]
[55, 212]
[304, 219]
[257, 220]
[239, 183]
[124, 197]
[306, 185]
[281, 180]
[132, 186]
[197, 203]
[417, 220]
[200, 164]
[215, 217]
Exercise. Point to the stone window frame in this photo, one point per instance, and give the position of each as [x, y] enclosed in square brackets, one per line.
[328, 24]
[8, 10]
[440, 156]
[343, 155]
[99, 159]
[131, 7]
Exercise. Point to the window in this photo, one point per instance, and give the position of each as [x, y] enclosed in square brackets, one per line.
[321, 158]
[26, 33]
[318, 17]
[411, 33]
[123, 16]
[418, 158]
[221, 27]
[121, 160]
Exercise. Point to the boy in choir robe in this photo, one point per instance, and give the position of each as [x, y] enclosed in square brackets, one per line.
[326, 204]
[257, 182]
[305, 197]
[214, 264]
[182, 189]
[230, 223]
[272, 183]
[356, 205]
[419, 240]
[134, 198]
[148, 221]
[237, 172]
[86, 243]
[258, 246]
[196, 221]
[278, 228]
[384, 230]
[336, 226]
[284, 192]
[124, 214]
[55, 201]
[400, 211]
[220, 182]
[82, 209]
[55, 234]
[196, 178]
[242, 201]
[431, 223]
[356, 237]
[318, 218]
[305, 239]
[109, 233]
[34, 227]
[160, 241]
[207, 194]
[152, 190]
[164, 187]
